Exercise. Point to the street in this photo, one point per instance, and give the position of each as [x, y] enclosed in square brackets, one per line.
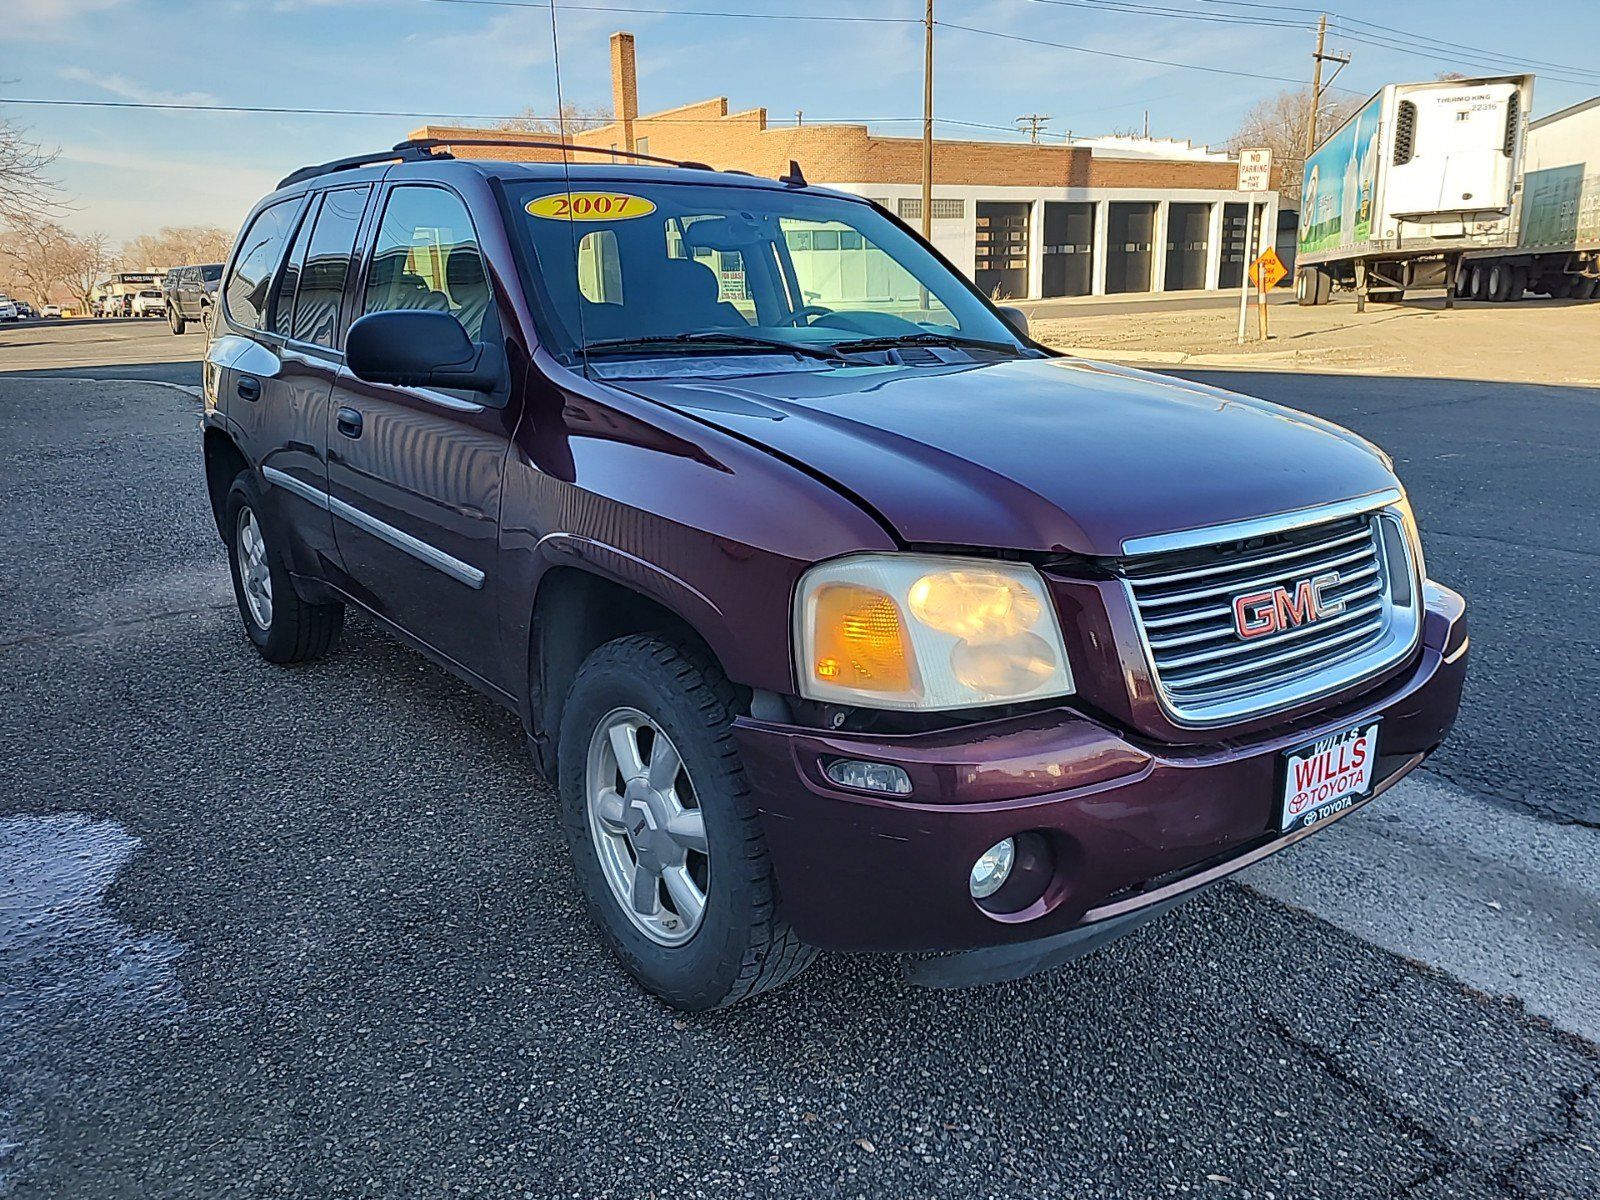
[312, 932]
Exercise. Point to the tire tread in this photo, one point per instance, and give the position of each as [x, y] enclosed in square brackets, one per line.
[774, 954]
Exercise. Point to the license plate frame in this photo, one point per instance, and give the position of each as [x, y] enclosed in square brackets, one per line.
[1342, 779]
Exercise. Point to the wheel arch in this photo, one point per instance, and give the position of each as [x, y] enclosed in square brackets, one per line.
[224, 460]
[576, 610]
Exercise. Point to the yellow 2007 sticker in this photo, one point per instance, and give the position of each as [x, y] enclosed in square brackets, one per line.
[590, 206]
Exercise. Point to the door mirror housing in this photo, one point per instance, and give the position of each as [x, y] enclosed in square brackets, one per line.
[1014, 317]
[421, 348]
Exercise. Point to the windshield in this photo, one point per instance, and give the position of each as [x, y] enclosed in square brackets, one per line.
[677, 266]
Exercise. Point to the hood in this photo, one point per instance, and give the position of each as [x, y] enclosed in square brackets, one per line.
[1056, 455]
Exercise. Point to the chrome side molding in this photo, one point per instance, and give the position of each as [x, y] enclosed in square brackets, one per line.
[420, 550]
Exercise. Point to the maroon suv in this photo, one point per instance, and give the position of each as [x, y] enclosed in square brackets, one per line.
[844, 615]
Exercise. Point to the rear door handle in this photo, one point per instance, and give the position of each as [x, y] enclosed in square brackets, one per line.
[249, 387]
[349, 422]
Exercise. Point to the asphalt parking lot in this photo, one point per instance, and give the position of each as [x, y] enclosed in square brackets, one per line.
[310, 932]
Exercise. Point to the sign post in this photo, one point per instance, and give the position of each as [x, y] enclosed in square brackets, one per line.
[1266, 273]
[1255, 175]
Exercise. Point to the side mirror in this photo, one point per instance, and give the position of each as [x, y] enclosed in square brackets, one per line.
[420, 348]
[1014, 317]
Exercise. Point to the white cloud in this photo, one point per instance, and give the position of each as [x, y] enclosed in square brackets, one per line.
[131, 89]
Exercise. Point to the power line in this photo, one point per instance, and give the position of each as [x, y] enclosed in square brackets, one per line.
[1156, 10]
[1345, 21]
[682, 12]
[287, 110]
[1139, 58]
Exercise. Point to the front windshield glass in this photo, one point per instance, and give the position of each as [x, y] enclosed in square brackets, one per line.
[654, 262]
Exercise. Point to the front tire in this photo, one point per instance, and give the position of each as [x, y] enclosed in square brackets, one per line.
[175, 322]
[282, 626]
[664, 836]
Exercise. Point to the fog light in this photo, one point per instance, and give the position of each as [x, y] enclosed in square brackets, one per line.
[992, 869]
[869, 776]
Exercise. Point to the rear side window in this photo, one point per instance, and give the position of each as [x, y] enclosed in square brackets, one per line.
[426, 256]
[260, 249]
[327, 266]
[283, 292]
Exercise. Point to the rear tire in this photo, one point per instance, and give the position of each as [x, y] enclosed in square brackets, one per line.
[1480, 282]
[282, 626]
[722, 941]
[1519, 284]
[1499, 284]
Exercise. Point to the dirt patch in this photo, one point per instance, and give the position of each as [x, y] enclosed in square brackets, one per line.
[1534, 341]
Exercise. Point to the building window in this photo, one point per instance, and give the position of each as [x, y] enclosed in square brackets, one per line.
[943, 210]
[642, 145]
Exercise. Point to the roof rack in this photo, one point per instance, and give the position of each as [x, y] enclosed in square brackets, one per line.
[426, 149]
[430, 143]
[403, 152]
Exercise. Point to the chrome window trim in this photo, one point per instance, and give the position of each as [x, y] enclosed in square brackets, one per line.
[1238, 531]
[1402, 626]
[398, 538]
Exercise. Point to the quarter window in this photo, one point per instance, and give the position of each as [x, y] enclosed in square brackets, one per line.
[327, 266]
[427, 257]
[261, 248]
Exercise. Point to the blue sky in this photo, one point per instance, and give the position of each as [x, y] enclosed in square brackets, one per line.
[132, 171]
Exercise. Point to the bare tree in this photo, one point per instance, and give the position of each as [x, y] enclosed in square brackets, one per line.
[34, 253]
[175, 246]
[27, 192]
[1279, 123]
[85, 261]
[576, 117]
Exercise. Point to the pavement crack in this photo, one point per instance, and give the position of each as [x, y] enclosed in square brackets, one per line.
[1445, 1158]
[1515, 803]
[53, 635]
[1566, 1127]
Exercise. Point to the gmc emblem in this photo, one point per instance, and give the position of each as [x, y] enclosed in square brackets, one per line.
[1256, 614]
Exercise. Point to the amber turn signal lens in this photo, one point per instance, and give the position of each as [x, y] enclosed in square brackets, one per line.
[859, 640]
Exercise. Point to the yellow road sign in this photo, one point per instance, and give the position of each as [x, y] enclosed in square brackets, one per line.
[1268, 271]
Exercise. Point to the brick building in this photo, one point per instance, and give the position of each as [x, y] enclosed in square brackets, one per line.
[1089, 217]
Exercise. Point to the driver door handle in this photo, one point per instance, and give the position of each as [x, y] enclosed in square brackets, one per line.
[349, 422]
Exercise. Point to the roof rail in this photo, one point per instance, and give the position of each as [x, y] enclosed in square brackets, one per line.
[431, 143]
[402, 152]
[426, 149]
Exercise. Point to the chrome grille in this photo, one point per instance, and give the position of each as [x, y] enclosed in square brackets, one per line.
[1206, 672]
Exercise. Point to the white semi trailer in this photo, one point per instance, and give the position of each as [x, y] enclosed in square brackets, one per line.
[1557, 251]
[1420, 176]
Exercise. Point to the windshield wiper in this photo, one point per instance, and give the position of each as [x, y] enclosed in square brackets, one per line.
[710, 339]
[890, 341]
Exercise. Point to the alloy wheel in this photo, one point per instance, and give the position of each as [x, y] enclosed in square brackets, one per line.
[255, 578]
[646, 826]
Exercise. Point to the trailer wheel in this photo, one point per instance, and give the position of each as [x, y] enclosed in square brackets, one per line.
[1519, 283]
[1480, 282]
[1312, 285]
[1586, 289]
[1464, 281]
[1499, 284]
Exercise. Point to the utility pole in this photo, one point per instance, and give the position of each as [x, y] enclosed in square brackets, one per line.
[1316, 85]
[1317, 88]
[1034, 122]
[927, 124]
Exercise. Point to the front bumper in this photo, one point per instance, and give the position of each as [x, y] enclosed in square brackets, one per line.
[1132, 828]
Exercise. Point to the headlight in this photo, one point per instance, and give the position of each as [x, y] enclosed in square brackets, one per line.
[904, 631]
